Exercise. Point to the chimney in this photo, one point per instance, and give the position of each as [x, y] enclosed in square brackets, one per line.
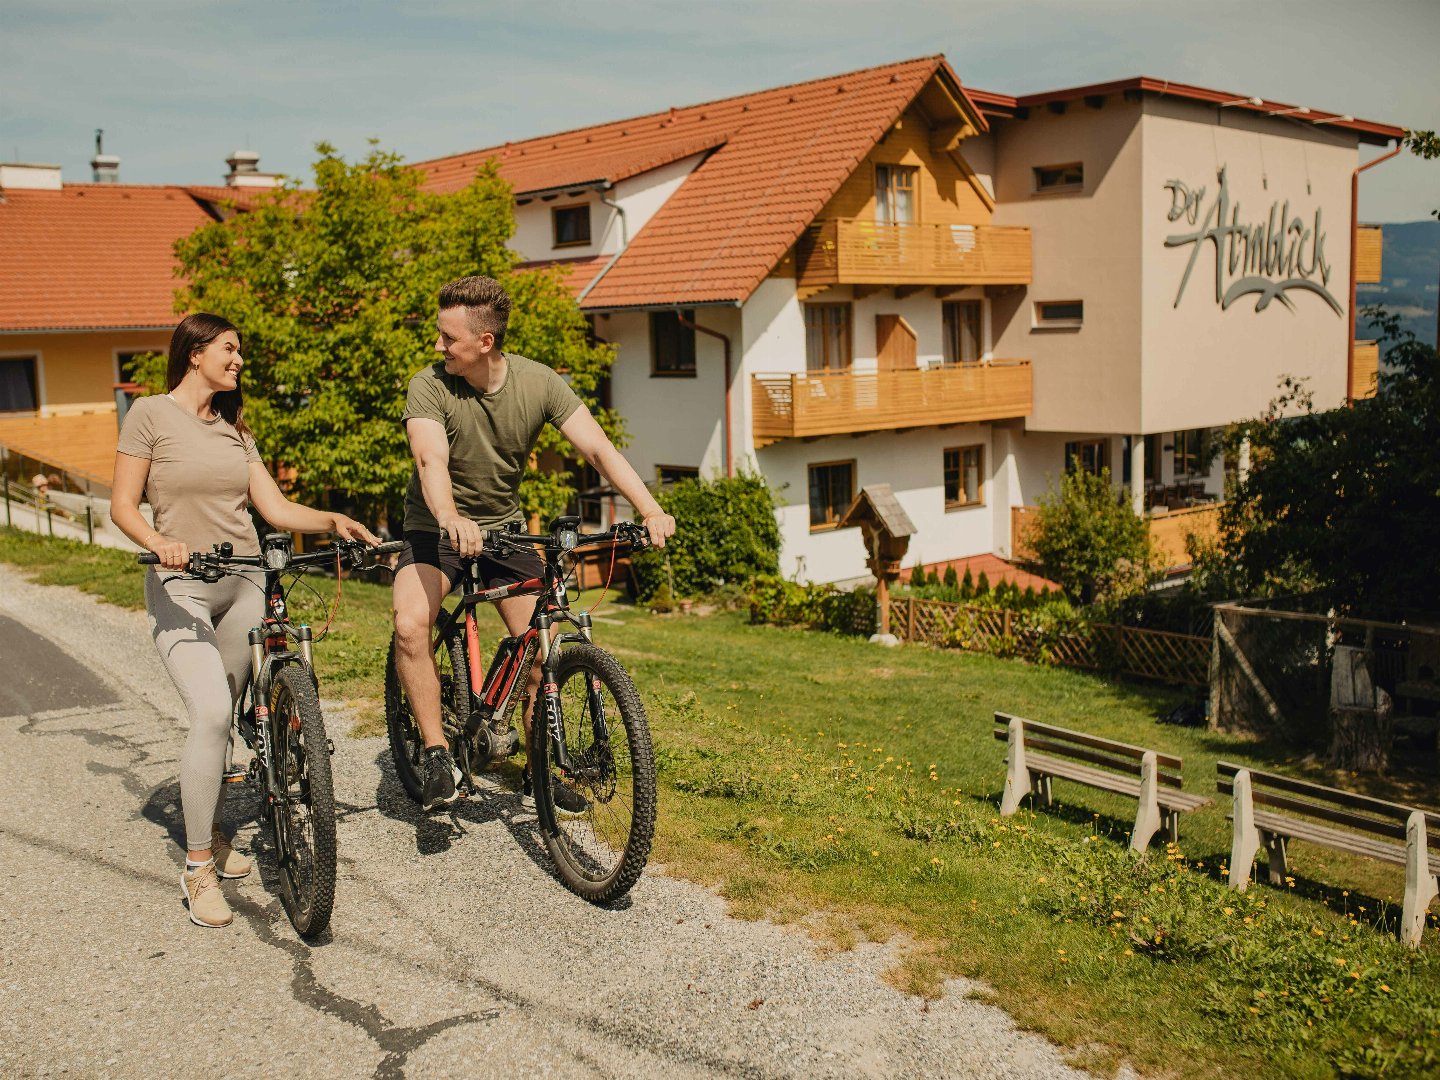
[106, 166]
[245, 171]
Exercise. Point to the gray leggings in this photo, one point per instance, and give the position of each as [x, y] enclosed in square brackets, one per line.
[202, 633]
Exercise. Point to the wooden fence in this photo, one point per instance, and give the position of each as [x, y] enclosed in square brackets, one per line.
[1149, 654]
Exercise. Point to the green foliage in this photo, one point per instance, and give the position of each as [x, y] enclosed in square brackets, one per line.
[818, 607]
[1088, 539]
[1344, 500]
[952, 581]
[725, 532]
[967, 585]
[334, 294]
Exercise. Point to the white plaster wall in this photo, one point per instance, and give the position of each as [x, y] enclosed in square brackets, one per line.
[1086, 246]
[670, 421]
[913, 465]
[1205, 366]
[641, 196]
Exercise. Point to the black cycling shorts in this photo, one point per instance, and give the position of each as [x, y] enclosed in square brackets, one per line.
[493, 569]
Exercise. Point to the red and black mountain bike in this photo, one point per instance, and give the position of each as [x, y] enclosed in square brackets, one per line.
[589, 731]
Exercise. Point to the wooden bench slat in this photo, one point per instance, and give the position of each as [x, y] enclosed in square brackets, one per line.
[1182, 800]
[1339, 796]
[1392, 829]
[1095, 742]
[1128, 766]
[1310, 832]
[1083, 774]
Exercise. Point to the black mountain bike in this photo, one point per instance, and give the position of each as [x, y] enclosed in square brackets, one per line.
[589, 731]
[279, 719]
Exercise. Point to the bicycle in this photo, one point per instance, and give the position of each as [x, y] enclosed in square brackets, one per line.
[283, 724]
[600, 851]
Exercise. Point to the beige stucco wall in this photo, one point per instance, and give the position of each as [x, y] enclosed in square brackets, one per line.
[76, 372]
[1204, 366]
[1086, 246]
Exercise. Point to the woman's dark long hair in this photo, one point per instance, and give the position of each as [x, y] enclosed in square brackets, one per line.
[191, 336]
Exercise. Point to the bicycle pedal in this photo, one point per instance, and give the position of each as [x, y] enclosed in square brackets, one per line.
[330, 746]
[234, 776]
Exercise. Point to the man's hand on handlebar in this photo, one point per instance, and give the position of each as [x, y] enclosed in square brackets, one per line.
[467, 537]
[660, 526]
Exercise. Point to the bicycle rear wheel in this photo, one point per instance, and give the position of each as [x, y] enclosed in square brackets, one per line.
[406, 743]
[601, 850]
[302, 811]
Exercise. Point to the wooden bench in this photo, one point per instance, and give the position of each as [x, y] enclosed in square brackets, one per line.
[1372, 828]
[1038, 752]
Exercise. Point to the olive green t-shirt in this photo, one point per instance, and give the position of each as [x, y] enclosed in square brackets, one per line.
[491, 436]
[199, 480]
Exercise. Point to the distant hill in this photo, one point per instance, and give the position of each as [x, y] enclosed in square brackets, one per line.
[1410, 282]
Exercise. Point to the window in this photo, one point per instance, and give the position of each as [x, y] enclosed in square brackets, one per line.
[592, 496]
[827, 337]
[895, 194]
[962, 332]
[672, 345]
[832, 490]
[964, 477]
[1087, 455]
[126, 362]
[17, 385]
[670, 475]
[571, 225]
[1059, 314]
[1069, 177]
[1191, 453]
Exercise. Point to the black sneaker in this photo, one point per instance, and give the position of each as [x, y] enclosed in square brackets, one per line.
[441, 776]
[566, 799]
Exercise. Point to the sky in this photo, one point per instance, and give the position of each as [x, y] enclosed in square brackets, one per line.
[178, 86]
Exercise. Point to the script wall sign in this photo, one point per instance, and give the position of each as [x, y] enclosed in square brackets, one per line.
[1270, 258]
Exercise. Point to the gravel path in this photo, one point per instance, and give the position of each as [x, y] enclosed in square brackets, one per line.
[453, 951]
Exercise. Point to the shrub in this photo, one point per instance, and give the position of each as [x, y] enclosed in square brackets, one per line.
[1088, 539]
[725, 532]
[819, 607]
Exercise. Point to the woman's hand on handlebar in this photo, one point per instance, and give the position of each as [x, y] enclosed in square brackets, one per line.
[660, 526]
[467, 537]
[173, 554]
[350, 529]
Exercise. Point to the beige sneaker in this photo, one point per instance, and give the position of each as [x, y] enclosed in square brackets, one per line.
[229, 863]
[202, 890]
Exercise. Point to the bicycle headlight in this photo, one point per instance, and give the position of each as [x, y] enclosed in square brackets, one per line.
[567, 539]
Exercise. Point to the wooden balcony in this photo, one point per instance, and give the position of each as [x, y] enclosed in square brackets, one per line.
[856, 252]
[1365, 370]
[845, 402]
[1369, 240]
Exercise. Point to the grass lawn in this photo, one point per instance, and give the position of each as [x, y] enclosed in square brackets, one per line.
[818, 778]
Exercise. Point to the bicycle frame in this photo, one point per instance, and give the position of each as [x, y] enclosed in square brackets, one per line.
[491, 694]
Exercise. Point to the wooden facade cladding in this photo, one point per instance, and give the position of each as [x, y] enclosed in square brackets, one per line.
[842, 403]
[862, 252]
[1369, 240]
[1365, 371]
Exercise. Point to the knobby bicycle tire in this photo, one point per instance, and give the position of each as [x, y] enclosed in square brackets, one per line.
[406, 743]
[303, 824]
[600, 852]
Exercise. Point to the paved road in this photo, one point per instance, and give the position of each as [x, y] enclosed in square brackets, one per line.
[453, 951]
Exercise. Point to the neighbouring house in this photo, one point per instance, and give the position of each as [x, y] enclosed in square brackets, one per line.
[888, 277]
[87, 284]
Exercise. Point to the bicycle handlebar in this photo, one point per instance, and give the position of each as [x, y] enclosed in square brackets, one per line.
[353, 552]
[563, 539]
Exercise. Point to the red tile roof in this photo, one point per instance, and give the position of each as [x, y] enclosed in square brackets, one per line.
[577, 272]
[777, 158]
[92, 255]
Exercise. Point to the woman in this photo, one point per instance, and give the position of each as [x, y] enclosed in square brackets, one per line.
[192, 454]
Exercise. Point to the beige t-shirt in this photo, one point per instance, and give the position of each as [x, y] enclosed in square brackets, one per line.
[199, 482]
[490, 435]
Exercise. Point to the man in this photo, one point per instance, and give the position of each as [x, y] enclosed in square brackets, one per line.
[473, 420]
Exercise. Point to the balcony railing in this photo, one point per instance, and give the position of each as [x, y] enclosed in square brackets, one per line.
[1169, 531]
[858, 252]
[844, 402]
[1365, 370]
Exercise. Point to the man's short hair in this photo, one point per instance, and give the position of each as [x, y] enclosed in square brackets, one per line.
[485, 301]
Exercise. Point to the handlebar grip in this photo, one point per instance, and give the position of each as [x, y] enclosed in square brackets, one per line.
[388, 548]
[148, 558]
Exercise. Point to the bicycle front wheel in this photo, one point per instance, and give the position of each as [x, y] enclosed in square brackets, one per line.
[406, 743]
[302, 810]
[597, 817]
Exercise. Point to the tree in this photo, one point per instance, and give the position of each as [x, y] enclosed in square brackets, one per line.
[334, 289]
[1089, 541]
[1348, 500]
